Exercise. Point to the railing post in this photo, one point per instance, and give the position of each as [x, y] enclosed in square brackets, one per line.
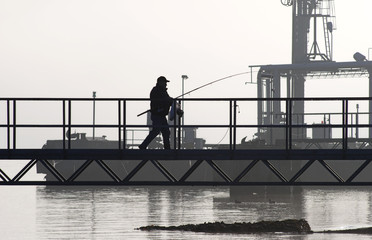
[14, 124]
[179, 125]
[290, 123]
[235, 122]
[125, 124]
[230, 124]
[119, 123]
[69, 124]
[286, 124]
[345, 123]
[174, 125]
[64, 123]
[8, 123]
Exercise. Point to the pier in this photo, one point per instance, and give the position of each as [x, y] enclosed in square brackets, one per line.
[339, 147]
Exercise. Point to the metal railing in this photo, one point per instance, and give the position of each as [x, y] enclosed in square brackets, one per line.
[13, 120]
[11, 125]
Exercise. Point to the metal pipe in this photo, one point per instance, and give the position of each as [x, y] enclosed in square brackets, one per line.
[184, 77]
[230, 124]
[370, 102]
[357, 122]
[8, 123]
[290, 123]
[179, 130]
[69, 124]
[286, 124]
[64, 123]
[14, 124]
[94, 113]
[235, 120]
[125, 124]
[119, 123]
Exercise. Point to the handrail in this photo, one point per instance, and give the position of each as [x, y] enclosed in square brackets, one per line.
[11, 124]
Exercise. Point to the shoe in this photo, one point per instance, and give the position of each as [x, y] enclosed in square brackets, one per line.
[141, 147]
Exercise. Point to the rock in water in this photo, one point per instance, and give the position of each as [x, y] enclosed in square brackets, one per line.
[290, 225]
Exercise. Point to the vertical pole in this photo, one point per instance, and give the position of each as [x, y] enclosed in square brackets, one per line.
[179, 129]
[69, 124]
[357, 122]
[8, 123]
[235, 120]
[351, 129]
[259, 101]
[288, 107]
[64, 123]
[119, 123]
[286, 124]
[290, 123]
[125, 124]
[230, 124]
[288, 85]
[370, 102]
[94, 113]
[174, 126]
[315, 36]
[268, 119]
[14, 124]
[276, 94]
[184, 77]
[345, 123]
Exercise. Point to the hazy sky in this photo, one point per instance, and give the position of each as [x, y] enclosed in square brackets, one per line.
[69, 48]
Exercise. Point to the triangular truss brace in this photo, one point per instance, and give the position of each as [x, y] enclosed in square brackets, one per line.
[170, 179]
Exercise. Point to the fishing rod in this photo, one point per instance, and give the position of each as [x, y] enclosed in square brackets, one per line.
[205, 85]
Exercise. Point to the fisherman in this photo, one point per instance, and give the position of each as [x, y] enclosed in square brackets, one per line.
[160, 105]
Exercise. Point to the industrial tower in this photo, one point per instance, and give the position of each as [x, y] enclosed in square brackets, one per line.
[311, 19]
[313, 23]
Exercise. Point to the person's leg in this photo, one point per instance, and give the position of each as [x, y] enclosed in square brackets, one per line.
[165, 133]
[153, 133]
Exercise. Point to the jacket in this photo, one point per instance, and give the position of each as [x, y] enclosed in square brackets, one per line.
[160, 101]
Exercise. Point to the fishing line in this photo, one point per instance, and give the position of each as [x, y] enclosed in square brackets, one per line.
[210, 83]
[205, 85]
[228, 130]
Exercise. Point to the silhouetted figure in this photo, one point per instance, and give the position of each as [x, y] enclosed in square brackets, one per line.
[160, 105]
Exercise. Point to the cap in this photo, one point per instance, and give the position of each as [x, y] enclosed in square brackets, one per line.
[162, 79]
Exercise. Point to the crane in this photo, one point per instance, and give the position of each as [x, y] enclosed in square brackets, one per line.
[306, 30]
[306, 16]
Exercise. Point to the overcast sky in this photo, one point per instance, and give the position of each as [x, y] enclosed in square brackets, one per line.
[69, 48]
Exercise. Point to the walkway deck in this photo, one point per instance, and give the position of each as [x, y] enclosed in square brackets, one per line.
[239, 154]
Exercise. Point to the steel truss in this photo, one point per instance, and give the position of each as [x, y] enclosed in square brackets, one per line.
[280, 176]
[314, 152]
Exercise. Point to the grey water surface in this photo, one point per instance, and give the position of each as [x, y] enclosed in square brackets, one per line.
[89, 212]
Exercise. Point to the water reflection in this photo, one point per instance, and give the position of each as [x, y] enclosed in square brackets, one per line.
[338, 207]
[115, 212]
[88, 212]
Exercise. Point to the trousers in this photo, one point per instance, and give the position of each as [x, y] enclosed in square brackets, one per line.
[160, 124]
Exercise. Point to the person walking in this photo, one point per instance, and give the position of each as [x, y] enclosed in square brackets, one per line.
[160, 105]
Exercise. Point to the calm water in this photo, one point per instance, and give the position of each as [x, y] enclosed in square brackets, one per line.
[114, 212]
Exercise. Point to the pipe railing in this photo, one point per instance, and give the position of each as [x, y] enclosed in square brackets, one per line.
[11, 125]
